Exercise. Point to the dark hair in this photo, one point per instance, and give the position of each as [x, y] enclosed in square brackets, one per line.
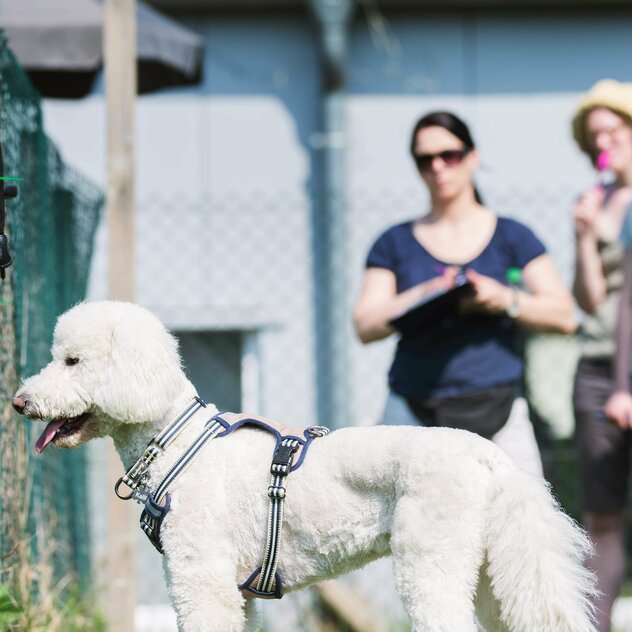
[454, 125]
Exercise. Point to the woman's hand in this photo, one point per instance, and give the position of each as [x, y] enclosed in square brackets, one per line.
[586, 210]
[589, 284]
[618, 408]
[545, 305]
[489, 295]
[379, 302]
[442, 282]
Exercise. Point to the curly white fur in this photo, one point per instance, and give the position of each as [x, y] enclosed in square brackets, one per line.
[467, 530]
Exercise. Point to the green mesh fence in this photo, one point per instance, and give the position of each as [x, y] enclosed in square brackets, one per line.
[43, 502]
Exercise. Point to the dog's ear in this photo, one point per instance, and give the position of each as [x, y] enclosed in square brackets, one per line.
[143, 373]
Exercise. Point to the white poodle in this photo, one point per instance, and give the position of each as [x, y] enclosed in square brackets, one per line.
[469, 533]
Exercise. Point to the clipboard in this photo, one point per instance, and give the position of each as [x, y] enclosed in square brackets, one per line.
[433, 308]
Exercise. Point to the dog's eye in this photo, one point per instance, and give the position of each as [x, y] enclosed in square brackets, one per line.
[71, 361]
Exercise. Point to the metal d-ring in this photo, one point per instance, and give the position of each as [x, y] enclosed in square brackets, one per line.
[116, 490]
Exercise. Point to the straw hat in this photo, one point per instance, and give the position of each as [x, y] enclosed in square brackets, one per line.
[607, 93]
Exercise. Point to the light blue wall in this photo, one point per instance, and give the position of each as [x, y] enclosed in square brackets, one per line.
[490, 52]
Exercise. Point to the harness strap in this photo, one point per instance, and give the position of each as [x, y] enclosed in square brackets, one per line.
[234, 421]
[280, 468]
[134, 476]
[288, 447]
[211, 428]
[155, 511]
[268, 582]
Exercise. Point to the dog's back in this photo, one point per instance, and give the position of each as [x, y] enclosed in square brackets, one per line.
[449, 506]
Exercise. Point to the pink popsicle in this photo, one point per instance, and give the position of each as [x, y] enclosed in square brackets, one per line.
[603, 160]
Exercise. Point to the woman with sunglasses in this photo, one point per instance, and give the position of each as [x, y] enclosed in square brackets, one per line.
[602, 127]
[464, 370]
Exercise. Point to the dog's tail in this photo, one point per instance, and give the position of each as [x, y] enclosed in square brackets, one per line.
[535, 555]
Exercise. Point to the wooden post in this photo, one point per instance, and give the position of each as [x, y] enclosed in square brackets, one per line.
[119, 39]
[120, 88]
[350, 607]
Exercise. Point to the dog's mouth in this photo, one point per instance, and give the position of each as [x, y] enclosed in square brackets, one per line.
[63, 427]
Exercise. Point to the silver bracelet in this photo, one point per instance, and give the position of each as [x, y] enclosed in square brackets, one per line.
[513, 309]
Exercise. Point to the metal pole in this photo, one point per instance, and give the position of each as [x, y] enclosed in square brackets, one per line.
[333, 317]
[120, 88]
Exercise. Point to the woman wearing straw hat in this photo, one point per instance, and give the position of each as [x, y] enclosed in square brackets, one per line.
[602, 127]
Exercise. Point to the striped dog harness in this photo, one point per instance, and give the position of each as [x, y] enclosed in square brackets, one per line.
[289, 453]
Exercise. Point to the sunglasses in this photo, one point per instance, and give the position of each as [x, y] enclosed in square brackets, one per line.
[450, 157]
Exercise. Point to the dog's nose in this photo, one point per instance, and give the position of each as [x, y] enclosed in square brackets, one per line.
[19, 402]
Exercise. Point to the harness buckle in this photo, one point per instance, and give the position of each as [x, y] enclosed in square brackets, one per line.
[134, 476]
[152, 517]
[276, 491]
[140, 495]
[282, 459]
[138, 470]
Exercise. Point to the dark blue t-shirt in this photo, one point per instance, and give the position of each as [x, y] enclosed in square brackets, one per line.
[467, 353]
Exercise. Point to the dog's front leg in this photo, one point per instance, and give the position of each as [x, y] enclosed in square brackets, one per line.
[205, 596]
[252, 615]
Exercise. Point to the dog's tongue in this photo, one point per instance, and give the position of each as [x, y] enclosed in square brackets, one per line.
[48, 435]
